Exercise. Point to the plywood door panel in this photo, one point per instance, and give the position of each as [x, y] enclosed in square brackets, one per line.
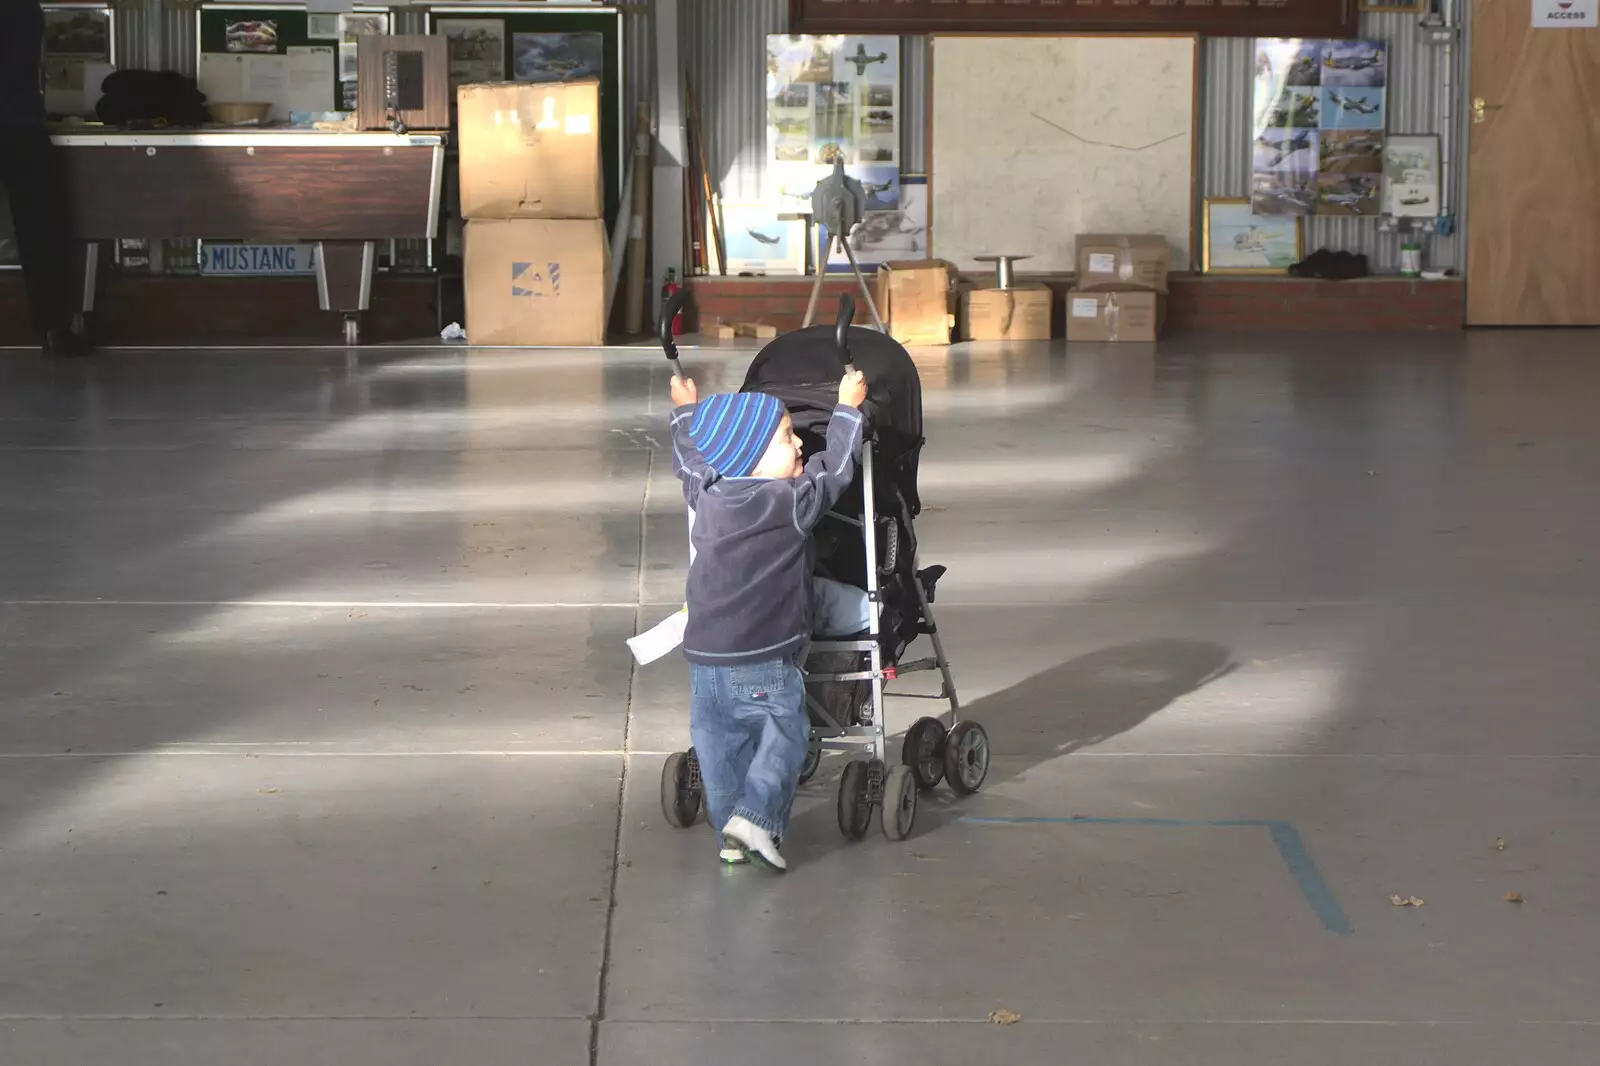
[1533, 232]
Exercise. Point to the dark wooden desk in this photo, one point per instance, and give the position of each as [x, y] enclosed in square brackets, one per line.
[342, 191]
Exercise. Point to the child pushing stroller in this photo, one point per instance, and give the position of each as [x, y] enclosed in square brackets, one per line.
[756, 606]
[750, 597]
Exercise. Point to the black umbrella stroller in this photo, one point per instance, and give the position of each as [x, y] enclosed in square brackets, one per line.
[867, 540]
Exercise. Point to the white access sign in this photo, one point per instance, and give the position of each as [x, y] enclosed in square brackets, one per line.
[1566, 14]
[254, 260]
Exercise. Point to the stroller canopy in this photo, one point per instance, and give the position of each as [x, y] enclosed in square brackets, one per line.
[802, 369]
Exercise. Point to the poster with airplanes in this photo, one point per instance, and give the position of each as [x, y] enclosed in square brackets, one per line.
[1320, 120]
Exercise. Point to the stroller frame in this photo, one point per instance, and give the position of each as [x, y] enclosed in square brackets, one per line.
[931, 751]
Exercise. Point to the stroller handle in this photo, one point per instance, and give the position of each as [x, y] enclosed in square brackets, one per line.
[841, 330]
[669, 312]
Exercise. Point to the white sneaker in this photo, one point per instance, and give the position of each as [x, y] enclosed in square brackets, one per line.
[755, 841]
[733, 857]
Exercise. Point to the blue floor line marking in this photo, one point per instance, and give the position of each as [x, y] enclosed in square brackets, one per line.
[1291, 848]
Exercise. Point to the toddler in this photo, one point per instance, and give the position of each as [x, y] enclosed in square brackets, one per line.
[752, 600]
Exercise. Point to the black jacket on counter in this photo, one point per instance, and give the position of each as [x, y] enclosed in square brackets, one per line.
[21, 42]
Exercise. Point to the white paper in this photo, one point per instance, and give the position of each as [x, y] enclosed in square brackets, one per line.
[266, 81]
[94, 75]
[72, 86]
[1085, 307]
[221, 78]
[323, 27]
[334, 7]
[310, 78]
[1102, 263]
[1566, 14]
[659, 639]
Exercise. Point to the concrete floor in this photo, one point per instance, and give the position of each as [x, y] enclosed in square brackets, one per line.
[319, 743]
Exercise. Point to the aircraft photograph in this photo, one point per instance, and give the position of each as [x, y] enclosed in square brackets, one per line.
[1352, 194]
[861, 60]
[1347, 64]
[1285, 149]
[1284, 194]
[1350, 152]
[1295, 107]
[1352, 109]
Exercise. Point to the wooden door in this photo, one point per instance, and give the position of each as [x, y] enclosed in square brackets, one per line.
[1533, 203]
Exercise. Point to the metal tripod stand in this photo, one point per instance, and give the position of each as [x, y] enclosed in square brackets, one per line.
[838, 204]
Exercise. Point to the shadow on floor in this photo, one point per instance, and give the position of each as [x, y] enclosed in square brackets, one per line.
[1074, 705]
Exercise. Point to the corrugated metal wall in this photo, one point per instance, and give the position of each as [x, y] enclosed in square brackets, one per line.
[723, 45]
[723, 48]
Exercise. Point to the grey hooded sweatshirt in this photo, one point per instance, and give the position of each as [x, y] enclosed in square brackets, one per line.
[749, 589]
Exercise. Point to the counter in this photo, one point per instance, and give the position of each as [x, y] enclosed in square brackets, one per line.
[342, 191]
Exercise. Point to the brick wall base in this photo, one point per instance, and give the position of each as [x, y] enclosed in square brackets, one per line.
[1196, 303]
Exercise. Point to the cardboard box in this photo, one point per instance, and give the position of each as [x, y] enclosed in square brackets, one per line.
[1125, 314]
[1112, 261]
[915, 299]
[536, 281]
[1018, 314]
[530, 151]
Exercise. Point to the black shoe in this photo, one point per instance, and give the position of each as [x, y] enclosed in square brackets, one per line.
[65, 344]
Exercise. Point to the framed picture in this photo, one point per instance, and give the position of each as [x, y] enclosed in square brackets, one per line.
[1238, 242]
[78, 34]
[1411, 175]
[1413, 6]
[759, 242]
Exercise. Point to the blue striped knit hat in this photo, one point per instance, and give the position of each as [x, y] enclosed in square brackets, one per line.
[732, 430]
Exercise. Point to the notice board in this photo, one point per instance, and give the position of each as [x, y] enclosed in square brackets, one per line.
[1034, 140]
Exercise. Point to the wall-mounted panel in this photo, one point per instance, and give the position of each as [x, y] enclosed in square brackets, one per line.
[1038, 139]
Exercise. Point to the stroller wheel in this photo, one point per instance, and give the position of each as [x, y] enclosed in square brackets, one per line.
[966, 757]
[923, 752]
[899, 802]
[680, 789]
[855, 800]
[808, 769]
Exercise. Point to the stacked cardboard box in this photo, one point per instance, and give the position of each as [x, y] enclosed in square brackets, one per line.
[537, 257]
[1020, 313]
[914, 298]
[1121, 292]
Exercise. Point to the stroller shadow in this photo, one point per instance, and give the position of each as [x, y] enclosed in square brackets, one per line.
[1074, 705]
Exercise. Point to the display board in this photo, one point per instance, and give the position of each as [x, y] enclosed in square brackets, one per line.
[1035, 140]
[80, 49]
[1227, 18]
[835, 98]
[1320, 117]
[504, 43]
[282, 54]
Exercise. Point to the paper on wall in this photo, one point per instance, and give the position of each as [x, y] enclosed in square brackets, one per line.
[221, 78]
[266, 81]
[310, 78]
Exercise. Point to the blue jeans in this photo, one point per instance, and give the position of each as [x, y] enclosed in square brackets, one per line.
[749, 728]
[838, 610]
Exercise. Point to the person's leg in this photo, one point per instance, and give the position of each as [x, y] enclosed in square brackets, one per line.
[723, 744]
[34, 186]
[841, 610]
[771, 697]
